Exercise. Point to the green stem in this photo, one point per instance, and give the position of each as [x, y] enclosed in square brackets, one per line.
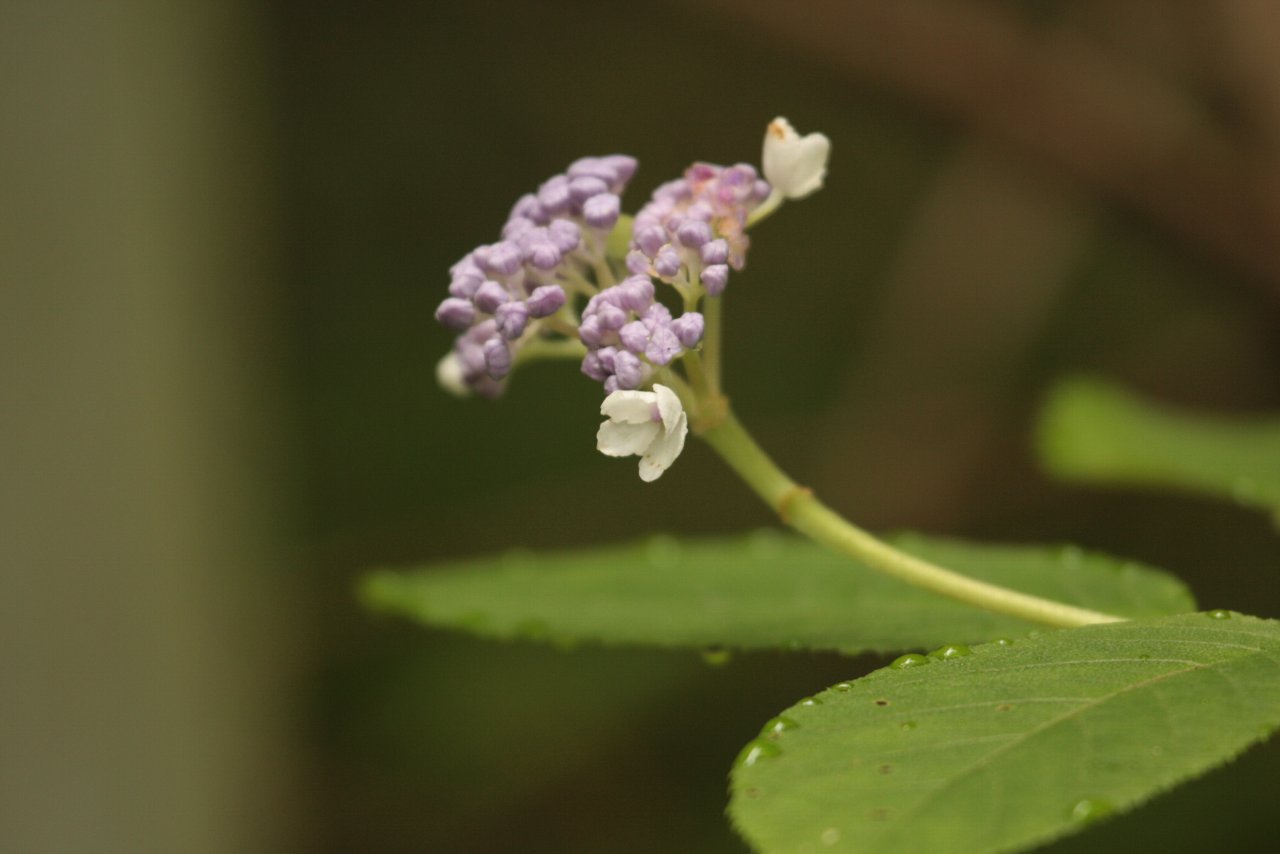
[712, 317]
[798, 508]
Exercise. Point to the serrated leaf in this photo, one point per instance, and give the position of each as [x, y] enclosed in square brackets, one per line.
[1010, 746]
[762, 591]
[1096, 432]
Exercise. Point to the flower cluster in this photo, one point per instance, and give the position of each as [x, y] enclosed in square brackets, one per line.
[694, 228]
[564, 245]
[628, 333]
[500, 292]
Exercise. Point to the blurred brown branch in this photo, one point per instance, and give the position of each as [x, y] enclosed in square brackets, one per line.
[1100, 117]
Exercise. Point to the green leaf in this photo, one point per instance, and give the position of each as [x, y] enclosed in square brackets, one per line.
[1091, 431]
[1012, 745]
[765, 590]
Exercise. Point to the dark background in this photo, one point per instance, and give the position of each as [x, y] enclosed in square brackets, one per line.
[228, 228]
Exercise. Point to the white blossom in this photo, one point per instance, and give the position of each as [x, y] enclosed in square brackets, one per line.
[650, 424]
[449, 374]
[794, 165]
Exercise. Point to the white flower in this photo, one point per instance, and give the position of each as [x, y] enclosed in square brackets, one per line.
[793, 164]
[449, 375]
[651, 424]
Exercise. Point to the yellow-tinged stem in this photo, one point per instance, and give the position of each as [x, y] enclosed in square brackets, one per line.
[798, 507]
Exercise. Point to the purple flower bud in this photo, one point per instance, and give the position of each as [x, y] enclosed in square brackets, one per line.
[464, 285]
[761, 191]
[637, 262]
[546, 300]
[622, 165]
[634, 336]
[715, 252]
[512, 318]
[693, 233]
[650, 239]
[628, 369]
[541, 252]
[456, 314]
[592, 167]
[499, 259]
[608, 357]
[516, 227]
[667, 262]
[688, 327]
[489, 296]
[610, 384]
[584, 187]
[635, 293]
[592, 368]
[528, 208]
[714, 279]
[590, 333]
[601, 211]
[701, 172]
[553, 195]
[656, 315]
[497, 358]
[610, 316]
[565, 235]
[663, 345]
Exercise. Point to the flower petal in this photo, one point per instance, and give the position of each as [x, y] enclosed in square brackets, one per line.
[664, 450]
[617, 439]
[794, 165]
[669, 407]
[632, 407]
[451, 375]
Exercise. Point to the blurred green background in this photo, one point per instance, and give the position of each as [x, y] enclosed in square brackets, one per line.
[227, 227]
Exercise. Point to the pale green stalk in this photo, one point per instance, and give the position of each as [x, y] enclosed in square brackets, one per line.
[798, 507]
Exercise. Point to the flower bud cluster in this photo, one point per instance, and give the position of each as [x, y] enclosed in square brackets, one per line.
[628, 334]
[694, 228]
[500, 292]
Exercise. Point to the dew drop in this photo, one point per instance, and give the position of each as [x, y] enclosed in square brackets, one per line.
[1219, 614]
[765, 543]
[911, 659]
[755, 750]
[715, 656]
[908, 725]
[1002, 642]
[830, 836]
[778, 725]
[842, 686]
[663, 551]
[810, 701]
[951, 650]
[1090, 810]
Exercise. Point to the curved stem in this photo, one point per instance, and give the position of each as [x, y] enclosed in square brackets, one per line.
[797, 507]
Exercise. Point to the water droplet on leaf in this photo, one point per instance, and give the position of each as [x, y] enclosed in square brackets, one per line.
[830, 836]
[842, 686]
[951, 650]
[911, 659]
[810, 701]
[778, 725]
[1002, 642]
[755, 750]
[1220, 614]
[1090, 810]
